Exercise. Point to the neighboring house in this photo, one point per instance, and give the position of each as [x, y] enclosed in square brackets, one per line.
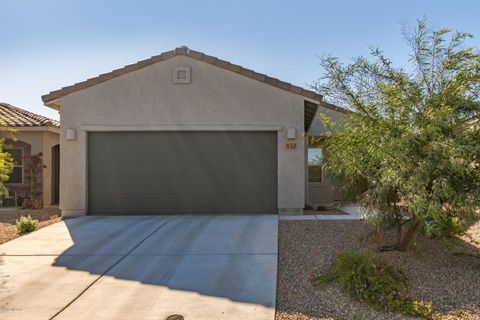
[185, 132]
[33, 134]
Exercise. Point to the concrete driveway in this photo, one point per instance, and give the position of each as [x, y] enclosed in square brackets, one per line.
[142, 267]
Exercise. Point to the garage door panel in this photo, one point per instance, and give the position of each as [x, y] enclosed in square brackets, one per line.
[162, 194]
[155, 173]
[115, 184]
[215, 205]
[182, 172]
[207, 193]
[105, 162]
[253, 204]
[112, 204]
[169, 180]
[207, 145]
[260, 171]
[156, 141]
[208, 160]
[196, 168]
[113, 193]
[253, 192]
[251, 182]
[159, 166]
[213, 182]
[112, 174]
[166, 204]
[208, 172]
[158, 162]
[108, 150]
[260, 164]
[246, 137]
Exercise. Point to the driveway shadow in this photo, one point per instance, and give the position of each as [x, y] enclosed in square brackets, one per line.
[229, 257]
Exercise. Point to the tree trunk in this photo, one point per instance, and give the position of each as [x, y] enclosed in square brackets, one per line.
[407, 238]
[380, 239]
[399, 233]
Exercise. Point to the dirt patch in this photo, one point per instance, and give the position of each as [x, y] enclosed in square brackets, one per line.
[8, 230]
[436, 274]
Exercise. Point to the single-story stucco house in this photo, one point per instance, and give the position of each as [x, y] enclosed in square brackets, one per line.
[185, 132]
[32, 134]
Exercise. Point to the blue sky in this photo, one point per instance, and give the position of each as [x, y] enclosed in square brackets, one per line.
[52, 43]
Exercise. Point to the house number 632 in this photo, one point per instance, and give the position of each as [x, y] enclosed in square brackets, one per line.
[291, 145]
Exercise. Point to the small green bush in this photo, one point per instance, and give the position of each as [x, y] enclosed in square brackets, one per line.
[373, 281]
[308, 207]
[441, 226]
[26, 224]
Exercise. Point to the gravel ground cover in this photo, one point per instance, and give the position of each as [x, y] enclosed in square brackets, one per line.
[8, 230]
[451, 282]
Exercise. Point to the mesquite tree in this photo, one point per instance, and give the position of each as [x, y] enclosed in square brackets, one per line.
[412, 139]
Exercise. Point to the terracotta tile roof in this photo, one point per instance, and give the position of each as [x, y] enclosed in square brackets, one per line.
[16, 117]
[182, 51]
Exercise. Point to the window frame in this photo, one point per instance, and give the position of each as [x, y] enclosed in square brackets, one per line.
[320, 165]
[17, 166]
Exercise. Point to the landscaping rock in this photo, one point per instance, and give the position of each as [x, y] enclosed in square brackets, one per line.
[8, 230]
[435, 273]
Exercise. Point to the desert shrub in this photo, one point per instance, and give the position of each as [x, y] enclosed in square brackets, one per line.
[26, 224]
[308, 207]
[440, 226]
[372, 280]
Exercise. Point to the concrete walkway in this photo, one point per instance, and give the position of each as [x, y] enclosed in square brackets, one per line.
[144, 267]
[352, 212]
[320, 217]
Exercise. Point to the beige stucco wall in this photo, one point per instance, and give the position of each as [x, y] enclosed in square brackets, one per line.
[39, 140]
[317, 128]
[323, 192]
[147, 97]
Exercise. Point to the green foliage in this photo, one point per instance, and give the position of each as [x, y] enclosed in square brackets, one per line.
[373, 281]
[440, 226]
[35, 167]
[308, 207]
[412, 140]
[6, 161]
[370, 280]
[26, 224]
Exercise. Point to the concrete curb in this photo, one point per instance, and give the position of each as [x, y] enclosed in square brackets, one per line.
[318, 217]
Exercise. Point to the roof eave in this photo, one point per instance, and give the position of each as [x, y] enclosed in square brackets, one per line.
[333, 107]
[54, 104]
[53, 129]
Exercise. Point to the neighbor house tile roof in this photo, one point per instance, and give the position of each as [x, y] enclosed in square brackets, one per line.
[15, 117]
[184, 51]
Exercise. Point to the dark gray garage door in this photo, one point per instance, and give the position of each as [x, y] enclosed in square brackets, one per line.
[182, 172]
